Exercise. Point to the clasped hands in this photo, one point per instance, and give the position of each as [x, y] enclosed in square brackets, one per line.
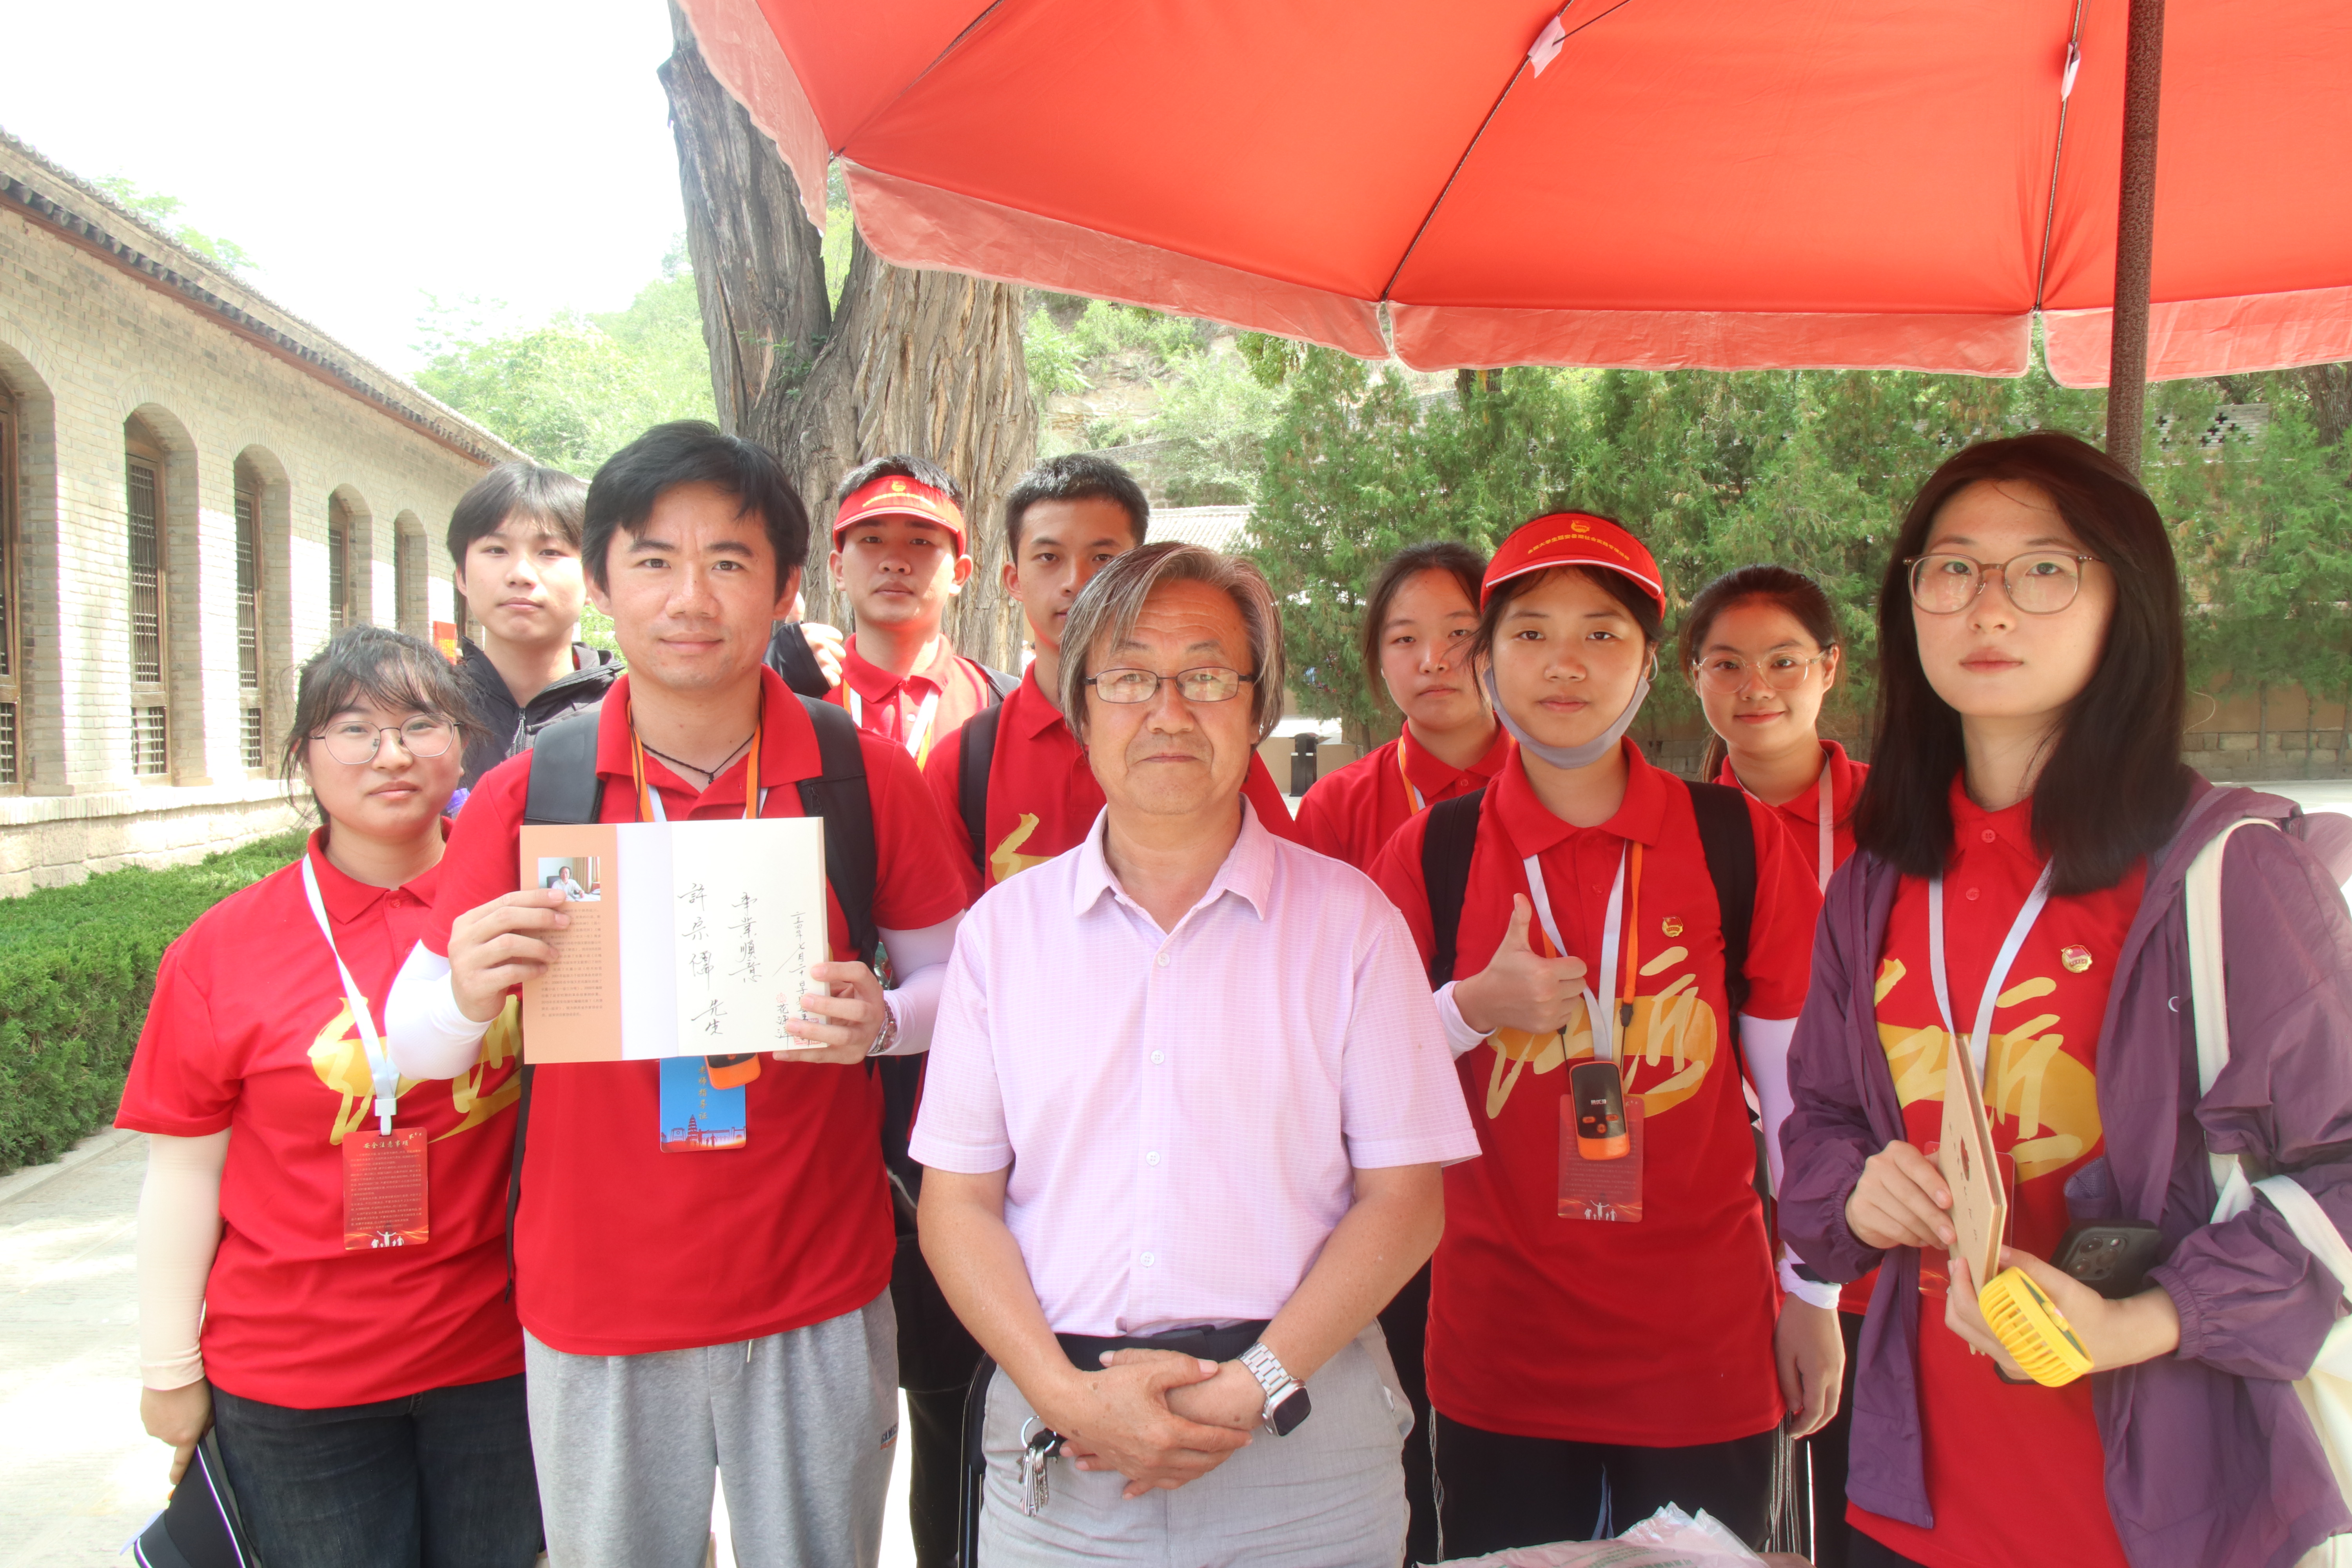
[1903, 1200]
[503, 944]
[1157, 1418]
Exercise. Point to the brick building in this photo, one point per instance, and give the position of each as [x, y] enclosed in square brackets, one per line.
[195, 489]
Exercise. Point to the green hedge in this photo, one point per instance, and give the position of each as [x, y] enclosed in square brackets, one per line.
[77, 968]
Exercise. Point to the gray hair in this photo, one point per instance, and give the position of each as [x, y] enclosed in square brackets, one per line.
[1107, 608]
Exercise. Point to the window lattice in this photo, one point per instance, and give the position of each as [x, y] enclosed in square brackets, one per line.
[7, 742]
[252, 738]
[339, 573]
[151, 734]
[249, 596]
[146, 581]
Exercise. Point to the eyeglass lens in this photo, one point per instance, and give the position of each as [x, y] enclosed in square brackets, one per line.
[354, 743]
[1210, 683]
[1781, 671]
[2039, 584]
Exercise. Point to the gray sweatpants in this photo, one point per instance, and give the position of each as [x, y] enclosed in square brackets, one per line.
[800, 1426]
[1330, 1495]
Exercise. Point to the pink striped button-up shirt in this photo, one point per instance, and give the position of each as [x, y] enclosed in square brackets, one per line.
[1183, 1110]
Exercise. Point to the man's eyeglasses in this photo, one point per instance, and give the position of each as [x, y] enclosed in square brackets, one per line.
[1727, 674]
[354, 742]
[1210, 683]
[2038, 583]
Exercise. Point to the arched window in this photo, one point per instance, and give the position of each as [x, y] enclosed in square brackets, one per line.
[146, 506]
[339, 565]
[248, 617]
[11, 674]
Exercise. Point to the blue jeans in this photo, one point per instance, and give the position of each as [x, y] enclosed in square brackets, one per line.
[438, 1479]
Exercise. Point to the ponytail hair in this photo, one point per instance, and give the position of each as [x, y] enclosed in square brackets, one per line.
[1790, 591]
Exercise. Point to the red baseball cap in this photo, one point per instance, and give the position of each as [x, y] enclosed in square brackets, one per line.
[1573, 539]
[896, 495]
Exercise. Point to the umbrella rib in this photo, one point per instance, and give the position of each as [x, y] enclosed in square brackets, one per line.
[937, 61]
[2057, 161]
[1459, 164]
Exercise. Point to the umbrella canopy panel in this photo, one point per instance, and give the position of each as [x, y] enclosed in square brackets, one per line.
[1685, 182]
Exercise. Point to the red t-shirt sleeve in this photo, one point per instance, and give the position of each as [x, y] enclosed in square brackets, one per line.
[943, 777]
[1319, 825]
[923, 876]
[182, 1083]
[1788, 904]
[1397, 870]
[482, 861]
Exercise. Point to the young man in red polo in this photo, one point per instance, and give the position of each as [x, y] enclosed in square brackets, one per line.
[1014, 785]
[899, 557]
[719, 1309]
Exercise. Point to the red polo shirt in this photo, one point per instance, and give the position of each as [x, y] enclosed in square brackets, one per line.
[1657, 1333]
[891, 706]
[250, 1031]
[621, 1248]
[2042, 1088]
[1349, 815]
[1042, 792]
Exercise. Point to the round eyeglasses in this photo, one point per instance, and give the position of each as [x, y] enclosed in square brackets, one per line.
[1727, 675]
[1210, 683]
[2038, 583]
[354, 742]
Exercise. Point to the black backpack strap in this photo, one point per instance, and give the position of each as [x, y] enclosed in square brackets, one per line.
[839, 795]
[565, 786]
[1452, 833]
[1728, 839]
[971, 780]
[999, 685]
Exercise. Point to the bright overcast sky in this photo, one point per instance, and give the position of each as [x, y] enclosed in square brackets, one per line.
[512, 149]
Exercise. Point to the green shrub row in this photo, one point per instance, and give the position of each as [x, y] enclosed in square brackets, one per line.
[77, 968]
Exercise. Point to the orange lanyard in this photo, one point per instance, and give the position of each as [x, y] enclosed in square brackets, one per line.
[649, 805]
[1414, 803]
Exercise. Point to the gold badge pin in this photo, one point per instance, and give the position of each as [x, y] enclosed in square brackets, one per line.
[2076, 958]
[1671, 926]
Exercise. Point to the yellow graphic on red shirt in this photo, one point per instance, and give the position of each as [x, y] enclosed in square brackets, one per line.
[2051, 1099]
[339, 1056]
[1006, 865]
[1666, 1055]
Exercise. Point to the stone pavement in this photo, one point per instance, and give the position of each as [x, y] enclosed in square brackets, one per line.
[78, 1478]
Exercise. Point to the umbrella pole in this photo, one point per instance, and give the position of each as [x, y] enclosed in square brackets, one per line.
[2134, 233]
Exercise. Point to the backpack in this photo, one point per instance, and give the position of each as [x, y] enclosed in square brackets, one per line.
[564, 788]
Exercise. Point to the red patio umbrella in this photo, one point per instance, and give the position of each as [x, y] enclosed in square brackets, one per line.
[1640, 182]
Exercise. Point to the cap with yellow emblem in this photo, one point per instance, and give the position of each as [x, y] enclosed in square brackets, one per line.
[896, 495]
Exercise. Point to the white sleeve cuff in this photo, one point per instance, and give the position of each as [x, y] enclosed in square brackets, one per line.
[1812, 1292]
[425, 1033]
[1459, 1038]
[919, 958]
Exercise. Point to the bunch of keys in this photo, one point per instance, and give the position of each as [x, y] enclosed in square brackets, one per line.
[1035, 1452]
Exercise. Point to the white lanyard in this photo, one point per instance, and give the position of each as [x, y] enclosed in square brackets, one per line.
[1980, 1042]
[914, 739]
[384, 1076]
[1829, 833]
[1601, 1010]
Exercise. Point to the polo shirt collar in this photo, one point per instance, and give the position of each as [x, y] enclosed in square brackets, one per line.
[2011, 825]
[788, 748]
[1028, 711]
[1247, 873]
[1433, 776]
[346, 900]
[1846, 787]
[875, 684]
[1641, 816]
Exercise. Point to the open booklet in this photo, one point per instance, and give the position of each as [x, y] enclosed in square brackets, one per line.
[688, 938]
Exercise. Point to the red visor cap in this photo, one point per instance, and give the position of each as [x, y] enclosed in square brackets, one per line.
[1573, 539]
[896, 495]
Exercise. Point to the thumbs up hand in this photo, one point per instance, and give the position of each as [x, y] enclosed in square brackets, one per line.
[1521, 988]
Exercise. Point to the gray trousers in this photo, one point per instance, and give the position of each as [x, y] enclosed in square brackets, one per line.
[800, 1428]
[1330, 1495]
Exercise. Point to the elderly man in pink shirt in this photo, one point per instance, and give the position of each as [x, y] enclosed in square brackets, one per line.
[1188, 1101]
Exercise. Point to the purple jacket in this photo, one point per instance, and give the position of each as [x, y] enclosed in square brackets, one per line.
[2210, 1462]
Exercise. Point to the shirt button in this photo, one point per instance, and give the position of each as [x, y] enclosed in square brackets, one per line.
[1158, 1056]
[1990, 836]
[1163, 961]
[1148, 1259]
[1153, 1158]
[1972, 895]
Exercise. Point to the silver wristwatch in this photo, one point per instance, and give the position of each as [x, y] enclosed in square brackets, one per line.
[1287, 1404]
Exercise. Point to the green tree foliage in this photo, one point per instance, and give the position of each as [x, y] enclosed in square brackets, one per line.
[162, 211]
[575, 390]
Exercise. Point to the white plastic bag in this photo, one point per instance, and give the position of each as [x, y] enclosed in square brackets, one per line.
[1667, 1539]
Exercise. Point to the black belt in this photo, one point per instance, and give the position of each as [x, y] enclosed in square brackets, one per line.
[1085, 1351]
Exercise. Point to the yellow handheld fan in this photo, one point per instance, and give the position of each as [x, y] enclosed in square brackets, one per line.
[2033, 1329]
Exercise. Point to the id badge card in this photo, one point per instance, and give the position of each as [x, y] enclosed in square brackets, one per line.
[1935, 1263]
[698, 1117]
[1607, 1188]
[384, 1190]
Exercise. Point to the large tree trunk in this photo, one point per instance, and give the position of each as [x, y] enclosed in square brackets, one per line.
[922, 362]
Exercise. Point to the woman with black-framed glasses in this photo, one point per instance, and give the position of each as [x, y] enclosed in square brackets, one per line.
[321, 1242]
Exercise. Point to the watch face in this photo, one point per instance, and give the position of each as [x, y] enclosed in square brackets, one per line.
[1293, 1410]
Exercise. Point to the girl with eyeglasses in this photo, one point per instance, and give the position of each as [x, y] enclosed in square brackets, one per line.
[1603, 1317]
[2018, 894]
[322, 1253]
